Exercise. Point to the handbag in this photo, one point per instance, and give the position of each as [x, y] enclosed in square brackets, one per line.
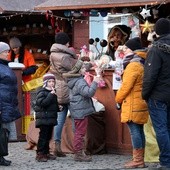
[97, 105]
[4, 134]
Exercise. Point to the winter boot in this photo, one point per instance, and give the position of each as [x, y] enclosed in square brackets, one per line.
[4, 162]
[41, 157]
[137, 161]
[51, 157]
[80, 156]
[58, 152]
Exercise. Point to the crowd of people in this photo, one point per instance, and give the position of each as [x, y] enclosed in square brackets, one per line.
[144, 93]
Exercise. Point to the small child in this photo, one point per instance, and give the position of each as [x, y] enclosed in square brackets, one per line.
[46, 108]
[81, 107]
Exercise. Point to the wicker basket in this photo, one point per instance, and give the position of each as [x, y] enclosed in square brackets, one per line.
[32, 84]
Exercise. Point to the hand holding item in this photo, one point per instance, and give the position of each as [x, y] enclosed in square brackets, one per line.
[97, 79]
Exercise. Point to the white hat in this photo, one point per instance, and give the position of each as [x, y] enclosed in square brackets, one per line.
[4, 47]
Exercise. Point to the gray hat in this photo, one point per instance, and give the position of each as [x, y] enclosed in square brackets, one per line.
[4, 47]
[15, 42]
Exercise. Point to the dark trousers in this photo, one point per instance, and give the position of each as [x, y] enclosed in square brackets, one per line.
[160, 116]
[80, 132]
[45, 135]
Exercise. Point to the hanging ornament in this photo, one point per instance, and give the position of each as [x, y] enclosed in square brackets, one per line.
[155, 13]
[125, 10]
[47, 15]
[57, 27]
[52, 21]
[67, 13]
[103, 13]
[146, 27]
[85, 13]
[145, 13]
[131, 22]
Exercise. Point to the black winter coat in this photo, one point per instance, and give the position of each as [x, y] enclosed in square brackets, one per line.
[156, 82]
[46, 108]
[8, 94]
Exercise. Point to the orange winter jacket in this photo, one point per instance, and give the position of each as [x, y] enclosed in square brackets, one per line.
[134, 108]
[28, 61]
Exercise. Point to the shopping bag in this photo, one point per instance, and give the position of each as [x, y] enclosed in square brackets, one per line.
[4, 134]
[97, 105]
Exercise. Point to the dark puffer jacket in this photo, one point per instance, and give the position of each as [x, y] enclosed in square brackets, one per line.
[156, 83]
[8, 93]
[46, 108]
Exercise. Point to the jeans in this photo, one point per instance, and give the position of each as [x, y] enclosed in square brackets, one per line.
[160, 116]
[61, 120]
[137, 135]
[80, 132]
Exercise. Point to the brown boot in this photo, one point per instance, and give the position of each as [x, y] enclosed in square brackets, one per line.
[137, 161]
[80, 156]
[58, 152]
[41, 157]
[51, 157]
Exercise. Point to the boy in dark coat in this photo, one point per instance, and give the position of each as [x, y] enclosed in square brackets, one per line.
[46, 108]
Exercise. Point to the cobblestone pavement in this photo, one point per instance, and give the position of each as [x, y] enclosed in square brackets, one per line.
[25, 160]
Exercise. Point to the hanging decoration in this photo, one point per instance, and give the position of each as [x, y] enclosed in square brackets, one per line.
[145, 13]
[155, 13]
[147, 27]
[131, 22]
[103, 13]
[52, 21]
[68, 14]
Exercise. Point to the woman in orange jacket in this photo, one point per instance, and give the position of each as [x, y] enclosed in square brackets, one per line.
[21, 55]
[134, 108]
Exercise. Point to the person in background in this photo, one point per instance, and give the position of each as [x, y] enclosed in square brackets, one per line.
[46, 108]
[134, 110]
[62, 60]
[156, 88]
[118, 35]
[9, 111]
[21, 55]
[81, 107]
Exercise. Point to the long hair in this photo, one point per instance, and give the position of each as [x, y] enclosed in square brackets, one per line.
[21, 55]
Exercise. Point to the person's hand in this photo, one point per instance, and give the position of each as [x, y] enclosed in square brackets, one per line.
[97, 79]
[53, 90]
[60, 107]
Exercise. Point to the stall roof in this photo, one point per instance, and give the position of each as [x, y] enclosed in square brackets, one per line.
[89, 4]
[19, 5]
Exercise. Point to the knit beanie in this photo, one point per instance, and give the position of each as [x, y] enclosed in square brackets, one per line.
[134, 44]
[47, 77]
[4, 47]
[15, 42]
[162, 26]
[62, 38]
